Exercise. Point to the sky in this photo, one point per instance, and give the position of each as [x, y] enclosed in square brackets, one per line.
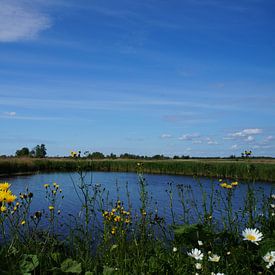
[177, 77]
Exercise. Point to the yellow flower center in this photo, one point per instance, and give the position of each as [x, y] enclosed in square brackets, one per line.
[251, 237]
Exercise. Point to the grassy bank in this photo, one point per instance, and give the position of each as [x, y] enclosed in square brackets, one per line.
[259, 170]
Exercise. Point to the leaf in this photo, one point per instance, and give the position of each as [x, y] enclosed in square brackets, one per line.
[113, 247]
[108, 270]
[89, 273]
[28, 263]
[71, 266]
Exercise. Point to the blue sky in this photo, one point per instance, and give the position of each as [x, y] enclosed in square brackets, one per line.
[185, 77]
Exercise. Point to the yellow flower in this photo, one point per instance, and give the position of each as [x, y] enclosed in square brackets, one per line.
[117, 219]
[4, 186]
[228, 186]
[15, 208]
[234, 183]
[3, 208]
[113, 231]
[10, 198]
[23, 222]
[220, 180]
[46, 185]
[51, 208]
[223, 185]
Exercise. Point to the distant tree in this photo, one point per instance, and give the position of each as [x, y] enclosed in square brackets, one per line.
[39, 151]
[176, 157]
[96, 155]
[112, 156]
[24, 152]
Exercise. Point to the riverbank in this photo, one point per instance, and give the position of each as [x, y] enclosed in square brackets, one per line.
[248, 170]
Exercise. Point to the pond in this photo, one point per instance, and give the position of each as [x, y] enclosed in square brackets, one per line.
[175, 199]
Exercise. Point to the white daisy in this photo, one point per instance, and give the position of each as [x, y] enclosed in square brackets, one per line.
[272, 205]
[253, 235]
[214, 258]
[195, 253]
[198, 266]
[175, 249]
[269, 258]
[273, 196]
[200, 243]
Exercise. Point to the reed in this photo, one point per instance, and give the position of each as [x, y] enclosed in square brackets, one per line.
[247, 170]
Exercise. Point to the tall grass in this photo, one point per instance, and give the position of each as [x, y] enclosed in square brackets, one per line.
[245, 170]
[110, 237]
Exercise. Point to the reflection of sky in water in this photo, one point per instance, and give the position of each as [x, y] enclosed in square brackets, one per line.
[157, 186]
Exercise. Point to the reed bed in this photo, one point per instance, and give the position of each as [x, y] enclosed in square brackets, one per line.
[247, 170]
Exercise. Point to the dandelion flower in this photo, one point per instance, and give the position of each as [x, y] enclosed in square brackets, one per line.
[4, 186]
[46, 185]
[253, 235]
[234, 183]
[214, 258]
[23, 222]
[269, 258]
[51, 208]
[3, 208]
[10, 198]
[196, 254]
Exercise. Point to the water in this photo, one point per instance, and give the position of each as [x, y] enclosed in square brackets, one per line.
[157, 187]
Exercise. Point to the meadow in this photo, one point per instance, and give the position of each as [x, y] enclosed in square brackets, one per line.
[111, 237]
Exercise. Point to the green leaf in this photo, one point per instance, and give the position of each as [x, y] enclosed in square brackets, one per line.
[89, 273]
[28, 263]
[113, 247]
[71, 266]
[108, 270]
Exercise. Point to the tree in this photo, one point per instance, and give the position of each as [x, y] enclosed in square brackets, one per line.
[96, 155]
[24, 152]
[39, 151]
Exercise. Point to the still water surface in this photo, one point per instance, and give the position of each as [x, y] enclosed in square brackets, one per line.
[157, 186]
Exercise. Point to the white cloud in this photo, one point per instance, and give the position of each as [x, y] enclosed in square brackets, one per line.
[234, 147]
[10, 114]
[212, 142]
[189, 136]
[246, 133]
[249, 138]
[166, 136]
[20, 21]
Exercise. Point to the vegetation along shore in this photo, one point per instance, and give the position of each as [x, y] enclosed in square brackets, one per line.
[242, 169]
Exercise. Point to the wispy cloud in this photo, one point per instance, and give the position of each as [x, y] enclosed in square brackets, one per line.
[189, 137]
[245, 133]
[163, 136]
[20, 21]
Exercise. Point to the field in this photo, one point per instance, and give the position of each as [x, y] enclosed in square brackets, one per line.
[241, 169]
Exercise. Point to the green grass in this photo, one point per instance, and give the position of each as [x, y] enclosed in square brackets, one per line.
[248, 170]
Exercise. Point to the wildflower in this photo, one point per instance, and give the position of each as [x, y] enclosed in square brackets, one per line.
[23, 222]
[196, 254]
[253, 235]
[14, 208]
[273, 196]
[3, 208]
[228, 186]
[228, 253]
[198, 266]
[223, 185]
[58, 212]
[234, 183]
[220, 180]
[117, 219]
[51, 208]
[10, 198]
[214, 258]
[4, 186]
[272, 205]
[46, 185]
[113, 232]
[175, 249]
[269, 258]
[200, 243]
